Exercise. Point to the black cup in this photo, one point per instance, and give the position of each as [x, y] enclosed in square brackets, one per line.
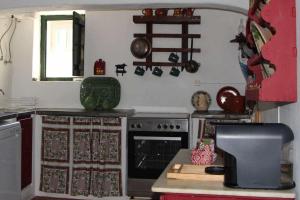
[157, 71]
[139, 71]
[175, 72]
[173, 58]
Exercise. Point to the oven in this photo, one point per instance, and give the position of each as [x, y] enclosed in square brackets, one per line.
[152, 144]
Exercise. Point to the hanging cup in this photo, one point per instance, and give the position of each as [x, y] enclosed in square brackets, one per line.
[188, 11]
[147, 12]
[177, 12]
[139, 71]
[173, 57]
[157, 71]
[175, 72]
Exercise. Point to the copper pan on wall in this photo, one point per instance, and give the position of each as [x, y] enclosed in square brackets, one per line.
[141, 48]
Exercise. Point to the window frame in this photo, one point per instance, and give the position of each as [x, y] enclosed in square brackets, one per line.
[43, 47]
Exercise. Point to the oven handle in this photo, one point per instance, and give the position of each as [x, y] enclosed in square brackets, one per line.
[157, 138]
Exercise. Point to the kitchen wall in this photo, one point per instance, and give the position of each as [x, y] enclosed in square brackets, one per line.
[5, 69]
[60, 93]
[109, 35]
[217, 28]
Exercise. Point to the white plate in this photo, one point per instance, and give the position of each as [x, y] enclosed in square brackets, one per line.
[261, 36]
[201, 100]
[265, 33]
[251, 3]
[258, 40]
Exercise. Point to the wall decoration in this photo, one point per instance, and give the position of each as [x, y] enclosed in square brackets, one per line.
[99, 67]
[120, 69]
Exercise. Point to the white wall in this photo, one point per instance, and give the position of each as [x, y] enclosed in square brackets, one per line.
[109, 35]
[60, 93]
[5, 69]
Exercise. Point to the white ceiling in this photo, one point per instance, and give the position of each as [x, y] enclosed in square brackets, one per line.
[9, 6]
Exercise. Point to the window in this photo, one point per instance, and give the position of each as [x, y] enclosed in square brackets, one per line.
[62, 47]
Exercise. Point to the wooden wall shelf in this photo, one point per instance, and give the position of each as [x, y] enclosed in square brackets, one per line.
[184, 21]
[167, 35]
[161, 64]
[175, 50]
[167, 19]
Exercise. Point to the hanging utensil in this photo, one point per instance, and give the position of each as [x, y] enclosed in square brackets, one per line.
[192, 66]
[141, 48]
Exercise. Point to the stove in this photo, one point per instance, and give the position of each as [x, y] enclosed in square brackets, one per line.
[153, 141]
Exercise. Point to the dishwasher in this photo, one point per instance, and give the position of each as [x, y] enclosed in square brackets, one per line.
[10, 160]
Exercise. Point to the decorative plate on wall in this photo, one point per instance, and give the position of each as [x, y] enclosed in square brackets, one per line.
[100, 93]
[224, 94]
[201, 100]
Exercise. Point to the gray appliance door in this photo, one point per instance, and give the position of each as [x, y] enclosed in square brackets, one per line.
[10, 161]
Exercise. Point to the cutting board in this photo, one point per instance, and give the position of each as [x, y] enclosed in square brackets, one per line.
[192, 172]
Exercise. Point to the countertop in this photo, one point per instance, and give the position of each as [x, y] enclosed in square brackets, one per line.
[83, 112]
[161, 115]
[117, 113]
[164, 185]
[5, 114]
[9, 114]
[218, 114]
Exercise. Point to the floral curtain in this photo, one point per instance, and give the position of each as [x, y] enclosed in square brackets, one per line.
[81, 156]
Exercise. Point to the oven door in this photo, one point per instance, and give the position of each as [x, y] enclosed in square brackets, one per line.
[150, 152]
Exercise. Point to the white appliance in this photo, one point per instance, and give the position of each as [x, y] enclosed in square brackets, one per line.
[10, 160]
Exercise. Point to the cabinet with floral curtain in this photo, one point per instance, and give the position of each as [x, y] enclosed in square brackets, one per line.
[81, 156]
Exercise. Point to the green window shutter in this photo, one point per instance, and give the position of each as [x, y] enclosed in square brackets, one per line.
[43, 53]
[78, 44]
[43, 47]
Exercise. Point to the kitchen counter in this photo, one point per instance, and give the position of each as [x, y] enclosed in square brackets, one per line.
[83, 112]
[218, 114]
[164, 185]
[9, 114]
[5, 114]
[161, 115]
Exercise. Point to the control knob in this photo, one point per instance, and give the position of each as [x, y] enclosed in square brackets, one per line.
[177, 126]
[165, 126]
[139, 125]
